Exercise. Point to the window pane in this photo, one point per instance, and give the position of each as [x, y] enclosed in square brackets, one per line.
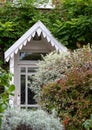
[31, 56]
[32, 69]
[23, 69]
[43, 1]
[31, 99]
[23, 89]
[31, 94]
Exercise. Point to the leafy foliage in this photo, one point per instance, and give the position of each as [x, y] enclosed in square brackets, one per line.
[6, 89]
[75, 25]
[54, 65]
[15, 119]
[5, 34]
[70, 95]
[70, 22]
[66, 31]
[49, 70]
[75, 8]
[16, 19]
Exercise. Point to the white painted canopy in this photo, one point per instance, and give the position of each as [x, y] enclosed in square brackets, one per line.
[38, 28]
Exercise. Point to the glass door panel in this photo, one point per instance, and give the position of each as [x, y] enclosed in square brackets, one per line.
[31, 94]
[26, 79]
[23, 89]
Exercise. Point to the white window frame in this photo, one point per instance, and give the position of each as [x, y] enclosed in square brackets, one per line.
[49, 1]
[45, 5]
[26, 63]
[26, 105]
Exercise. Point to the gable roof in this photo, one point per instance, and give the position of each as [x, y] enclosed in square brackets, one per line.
[38, 28]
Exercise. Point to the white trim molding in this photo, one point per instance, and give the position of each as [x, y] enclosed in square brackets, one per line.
[38, 28]
[48, 4]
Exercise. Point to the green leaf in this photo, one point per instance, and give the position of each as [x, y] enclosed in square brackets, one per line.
[11, 88]
[4, 96]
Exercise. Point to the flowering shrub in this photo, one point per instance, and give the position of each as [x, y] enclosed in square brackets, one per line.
[30, 120]
[71, 96]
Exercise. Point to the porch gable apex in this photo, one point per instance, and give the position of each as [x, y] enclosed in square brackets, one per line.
[38, 28]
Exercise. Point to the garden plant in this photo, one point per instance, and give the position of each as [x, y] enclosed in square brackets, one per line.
[6, 89]
[67, 90]
[15, 119]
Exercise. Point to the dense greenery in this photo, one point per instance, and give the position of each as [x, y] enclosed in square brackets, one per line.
[69, 94]
[15, 119]
[75, 26]
[49, 70]
[6, 89]
[5, 37]
[70, 21]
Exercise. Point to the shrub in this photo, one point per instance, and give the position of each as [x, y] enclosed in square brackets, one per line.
[54, 66]
[71, 96]
[69, 100]
[49, 70]
[30, 120]
[6, 89]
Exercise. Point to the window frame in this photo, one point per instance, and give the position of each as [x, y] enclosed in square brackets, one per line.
[26, 105]
[26, 53]
[44, 5]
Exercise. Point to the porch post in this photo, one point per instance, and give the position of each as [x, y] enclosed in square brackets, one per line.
[11, 98]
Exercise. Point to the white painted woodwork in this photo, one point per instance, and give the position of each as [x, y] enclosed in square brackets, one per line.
[25, 43]
[11, 67]
[22, 41]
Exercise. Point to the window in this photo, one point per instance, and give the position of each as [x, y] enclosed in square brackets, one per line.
[27, 96]
[45, 4]
[44, 1]
[31, 56]
[26, 75]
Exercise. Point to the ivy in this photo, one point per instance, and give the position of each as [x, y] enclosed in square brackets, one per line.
[70, 21]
